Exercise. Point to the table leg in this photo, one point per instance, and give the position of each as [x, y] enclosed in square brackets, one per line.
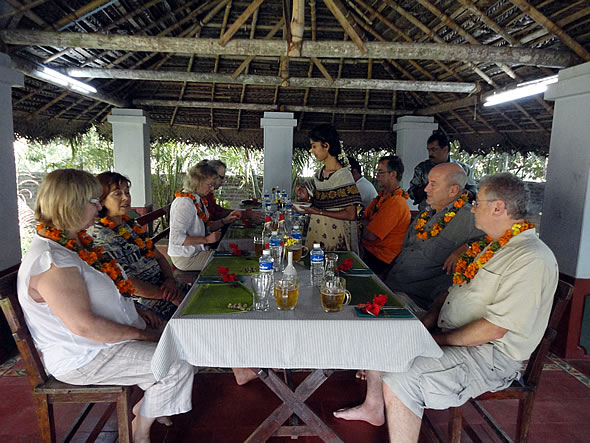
[294, 403]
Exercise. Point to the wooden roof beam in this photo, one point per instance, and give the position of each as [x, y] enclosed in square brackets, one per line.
[336, 8]
[277, 48]
[268, 80]
[263, 107]
[489, 22]
[537, 16]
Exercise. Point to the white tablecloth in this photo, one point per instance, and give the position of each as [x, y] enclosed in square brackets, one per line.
[306, 338]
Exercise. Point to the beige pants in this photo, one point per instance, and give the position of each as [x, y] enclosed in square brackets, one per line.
[128, 364]
[195, 263]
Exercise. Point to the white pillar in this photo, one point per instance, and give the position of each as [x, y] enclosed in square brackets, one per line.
[131, 143]
[278, 149]
[412, 134]
[565, 223]
[9, 234]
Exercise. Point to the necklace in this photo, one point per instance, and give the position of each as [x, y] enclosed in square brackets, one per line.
[146, 246]
[200, 212]
[467, 267]
[93, 255]
[441, 222]
[382, 198]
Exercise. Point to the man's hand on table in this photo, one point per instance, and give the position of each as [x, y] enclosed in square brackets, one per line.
[213, 237]
[171, 292]
[151, 319]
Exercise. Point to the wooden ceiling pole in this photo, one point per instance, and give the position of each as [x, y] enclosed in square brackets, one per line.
[335, 8]
[227, 35]
[28, 13]
[311, 64]
[243, 93]
[21, 9]
[543, 21]
[367, 92]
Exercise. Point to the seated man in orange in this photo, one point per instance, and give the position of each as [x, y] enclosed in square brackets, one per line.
[386, 219]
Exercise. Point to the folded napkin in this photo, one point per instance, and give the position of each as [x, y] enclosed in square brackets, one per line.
[202, 279]
[358, 271]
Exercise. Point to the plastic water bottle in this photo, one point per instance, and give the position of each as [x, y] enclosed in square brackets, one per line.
[266, 196]
[265, 268]
[276, 250]
[296, 233]
[316, 257]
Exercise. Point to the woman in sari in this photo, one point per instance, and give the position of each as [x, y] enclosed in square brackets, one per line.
[333, 195]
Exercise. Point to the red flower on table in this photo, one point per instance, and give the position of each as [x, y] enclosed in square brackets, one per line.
[374, 308]
[345, 266]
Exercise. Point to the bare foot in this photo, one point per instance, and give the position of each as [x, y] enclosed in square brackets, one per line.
[138, 431]
[244, 375]
[135, 409]
[374, 416]
[361, 374]
[166, 421]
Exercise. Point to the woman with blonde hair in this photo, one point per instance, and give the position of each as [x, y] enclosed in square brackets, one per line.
[75, 302]
[191, 230]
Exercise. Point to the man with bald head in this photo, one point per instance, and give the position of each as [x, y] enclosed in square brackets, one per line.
[436, 239]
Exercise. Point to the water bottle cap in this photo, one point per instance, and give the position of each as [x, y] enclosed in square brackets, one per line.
[316, 246]
[295, 226]
[275, 233]
[266, 252]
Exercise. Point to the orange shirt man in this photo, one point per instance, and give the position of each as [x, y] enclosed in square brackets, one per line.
[387, 218]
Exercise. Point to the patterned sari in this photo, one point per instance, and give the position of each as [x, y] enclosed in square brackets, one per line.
[333, 194]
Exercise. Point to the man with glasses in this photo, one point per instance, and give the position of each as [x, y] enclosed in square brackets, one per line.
[487, 323]
[438, 153]
[386, 218]
[436, 239]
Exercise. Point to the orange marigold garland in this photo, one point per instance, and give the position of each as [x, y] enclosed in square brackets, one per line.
[442, 221]
[200, 212]
[146, 246]
[93, 255]
[467, 267]
[382, 198]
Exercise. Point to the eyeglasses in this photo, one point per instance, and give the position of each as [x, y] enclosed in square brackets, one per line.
[382, 172]
[94, 201]
[477, 203]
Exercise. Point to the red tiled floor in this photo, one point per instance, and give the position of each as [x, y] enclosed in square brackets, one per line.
[225, 412]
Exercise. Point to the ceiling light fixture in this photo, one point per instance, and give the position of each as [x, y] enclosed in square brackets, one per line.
[522, 90]
[58, 78]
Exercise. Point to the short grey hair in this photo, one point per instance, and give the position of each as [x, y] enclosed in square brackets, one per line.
[508, 188]
[217, 164]
[457, 177]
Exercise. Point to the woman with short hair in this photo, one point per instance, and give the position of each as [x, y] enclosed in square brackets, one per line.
[128, 243]
[191, 230]
[75, 302]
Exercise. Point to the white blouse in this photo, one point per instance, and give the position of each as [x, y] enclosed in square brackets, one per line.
[63, 351]
[184, 222]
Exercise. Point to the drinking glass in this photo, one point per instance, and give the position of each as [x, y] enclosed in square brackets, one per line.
[261, 285]
[258, 244]
[334, 294]
[330, 265]
[286, 292]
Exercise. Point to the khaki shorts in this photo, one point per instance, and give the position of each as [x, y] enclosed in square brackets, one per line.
[195, 263]
[451, 380]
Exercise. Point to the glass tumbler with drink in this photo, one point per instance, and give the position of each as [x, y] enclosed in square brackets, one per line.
[334, 294]
[286, 292]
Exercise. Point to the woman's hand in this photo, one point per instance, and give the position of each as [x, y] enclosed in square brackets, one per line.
[213, 237]
[233, 215]
[151, 319]
[302, 193]
[171, 292]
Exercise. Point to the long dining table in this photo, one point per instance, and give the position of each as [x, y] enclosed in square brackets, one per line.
[305, 338]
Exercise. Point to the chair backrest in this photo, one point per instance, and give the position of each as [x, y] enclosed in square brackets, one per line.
[22, 336]
[150, 217]
[533, 370]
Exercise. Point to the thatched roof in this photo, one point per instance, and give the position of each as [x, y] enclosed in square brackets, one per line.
[207, 70]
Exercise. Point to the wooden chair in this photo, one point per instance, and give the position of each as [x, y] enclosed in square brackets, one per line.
[151, 217]
[523, 390]
[48, 391]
